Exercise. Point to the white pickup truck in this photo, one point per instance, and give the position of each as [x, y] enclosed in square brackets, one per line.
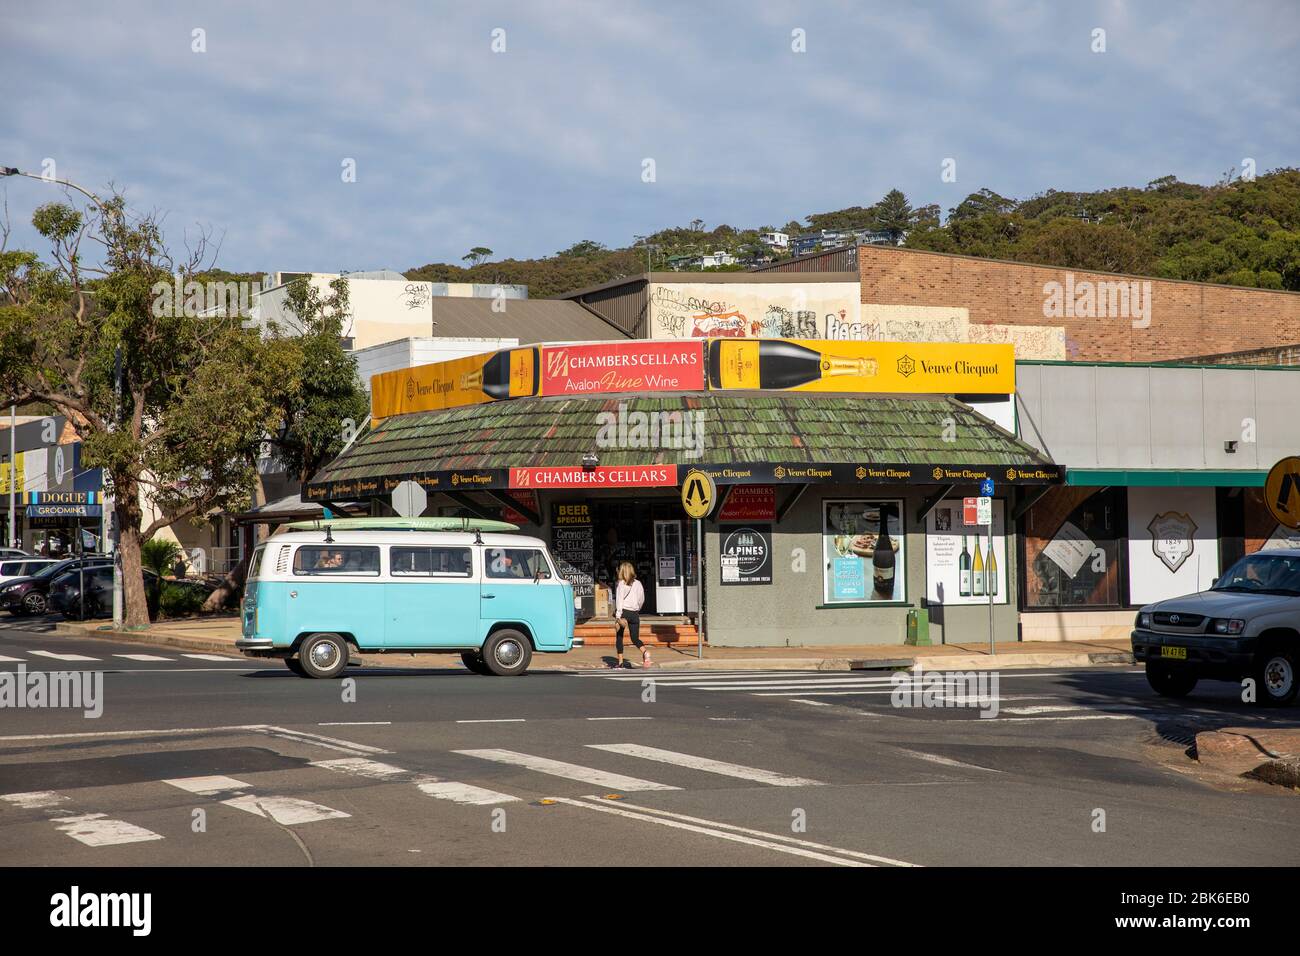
[1246, 626]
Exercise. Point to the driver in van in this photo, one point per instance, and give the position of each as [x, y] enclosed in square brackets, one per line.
[329, 561]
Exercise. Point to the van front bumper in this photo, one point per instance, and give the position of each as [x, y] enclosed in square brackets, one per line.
[1227, 657]
[259, 647]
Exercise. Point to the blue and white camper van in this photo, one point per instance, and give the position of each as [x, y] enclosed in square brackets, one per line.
[324, 589]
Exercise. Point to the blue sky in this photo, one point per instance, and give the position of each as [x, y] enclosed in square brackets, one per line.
[529, 150]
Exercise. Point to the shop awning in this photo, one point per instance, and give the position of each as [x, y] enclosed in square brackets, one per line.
[747, 438]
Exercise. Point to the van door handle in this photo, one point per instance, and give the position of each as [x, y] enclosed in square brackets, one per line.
[486, 596]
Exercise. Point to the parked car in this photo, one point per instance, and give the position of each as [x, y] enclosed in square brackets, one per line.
[22, 567]
[1246, 625]
[7, 553]
[30, 595]
[65, 592]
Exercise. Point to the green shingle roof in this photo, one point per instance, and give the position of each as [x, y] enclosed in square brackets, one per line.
[738, 428]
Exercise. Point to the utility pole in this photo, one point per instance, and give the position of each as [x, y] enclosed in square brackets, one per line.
[13, 474]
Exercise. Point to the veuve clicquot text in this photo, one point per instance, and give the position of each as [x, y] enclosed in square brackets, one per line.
[776, 364]
[507, 374]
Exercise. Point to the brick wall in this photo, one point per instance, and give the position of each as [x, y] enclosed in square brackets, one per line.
[1186, 318]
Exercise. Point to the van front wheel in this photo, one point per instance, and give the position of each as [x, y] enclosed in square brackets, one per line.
[323, 655]
[506, 653]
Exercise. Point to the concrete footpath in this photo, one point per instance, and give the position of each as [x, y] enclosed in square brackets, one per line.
[218, 634]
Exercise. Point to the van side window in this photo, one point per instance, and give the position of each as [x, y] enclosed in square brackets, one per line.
[336, 559]
[431, 562]
[516, 563]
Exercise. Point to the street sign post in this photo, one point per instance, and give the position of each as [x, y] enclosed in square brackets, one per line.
[979, 512]
[699, 492]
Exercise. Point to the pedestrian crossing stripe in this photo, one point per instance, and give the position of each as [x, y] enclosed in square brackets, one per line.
[570, 771]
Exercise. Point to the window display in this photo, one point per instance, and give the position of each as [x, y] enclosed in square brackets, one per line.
[864, 550]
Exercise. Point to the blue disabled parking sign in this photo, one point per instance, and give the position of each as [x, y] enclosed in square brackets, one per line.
[986, 488]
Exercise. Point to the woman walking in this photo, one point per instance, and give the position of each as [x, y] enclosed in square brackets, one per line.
[629, 596]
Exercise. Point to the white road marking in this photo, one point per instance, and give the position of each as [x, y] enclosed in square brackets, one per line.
[1045, 709]
[870, 683]
[330, 743]
[12, 660]
[360, 767]
[889, 861]
[289, 811]
[668, 677]
[208, 786]
[463, 793]
[35, 799]
[707, 830]
[210, 657]
[621, 718]
[1004, 720]
[144, 657]
[95, 829]
[496, 720]
[708, 765]
[571, 771]
[63, 657]
[354, 723]
[815, 703]
[944, 761]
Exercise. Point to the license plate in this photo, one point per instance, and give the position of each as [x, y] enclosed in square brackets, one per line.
[1176, 652]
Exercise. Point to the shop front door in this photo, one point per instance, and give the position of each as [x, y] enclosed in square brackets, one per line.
[669, 568]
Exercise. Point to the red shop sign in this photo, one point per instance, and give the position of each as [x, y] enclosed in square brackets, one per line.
[749, 503]
[603, 476]
[622, 367]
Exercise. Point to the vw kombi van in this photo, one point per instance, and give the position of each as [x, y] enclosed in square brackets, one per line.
[314, 596]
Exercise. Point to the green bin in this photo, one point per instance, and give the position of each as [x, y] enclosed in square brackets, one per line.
[918, 627]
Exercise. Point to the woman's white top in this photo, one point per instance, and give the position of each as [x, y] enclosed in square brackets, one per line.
[628, 597]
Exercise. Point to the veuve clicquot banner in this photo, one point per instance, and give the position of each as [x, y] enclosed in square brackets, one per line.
[817, 365]
[510, 373]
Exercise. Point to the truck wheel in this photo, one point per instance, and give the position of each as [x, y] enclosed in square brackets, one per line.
[295, 665]
[506, 653]
[323, 655]
[1169, 681]
[1275, 676]
[474, 662]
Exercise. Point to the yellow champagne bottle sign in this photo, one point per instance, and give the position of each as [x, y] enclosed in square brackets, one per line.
[698, 493]
[1282, 492]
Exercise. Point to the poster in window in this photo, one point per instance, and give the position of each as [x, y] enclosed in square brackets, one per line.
[959, 567]
[864, 551]
[746, 554]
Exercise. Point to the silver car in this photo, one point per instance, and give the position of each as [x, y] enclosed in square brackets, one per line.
[1246, 626]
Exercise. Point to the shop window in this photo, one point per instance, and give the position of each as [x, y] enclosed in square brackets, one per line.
[864, 551]
[1073, 547]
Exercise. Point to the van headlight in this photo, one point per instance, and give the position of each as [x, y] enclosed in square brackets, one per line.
[1226, 625]
[1143, 619]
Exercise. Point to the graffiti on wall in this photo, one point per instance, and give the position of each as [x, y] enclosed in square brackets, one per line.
[743, 310]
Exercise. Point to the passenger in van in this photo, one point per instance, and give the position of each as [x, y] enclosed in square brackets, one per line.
[329, 561]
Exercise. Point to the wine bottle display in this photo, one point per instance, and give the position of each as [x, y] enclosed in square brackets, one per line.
[882, 559]
[777, 364]
[977, 572]
[963, 563]
[507, 374]
[991, 572]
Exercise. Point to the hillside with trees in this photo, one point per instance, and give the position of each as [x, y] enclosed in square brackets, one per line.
[1235, 232]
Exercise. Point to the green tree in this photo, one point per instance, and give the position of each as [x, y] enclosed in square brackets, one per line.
[893, 215]
[476, 255]
[195, 395]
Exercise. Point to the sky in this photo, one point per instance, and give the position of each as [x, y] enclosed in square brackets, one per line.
[526, 127]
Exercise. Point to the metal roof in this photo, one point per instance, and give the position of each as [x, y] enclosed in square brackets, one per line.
[528, 320]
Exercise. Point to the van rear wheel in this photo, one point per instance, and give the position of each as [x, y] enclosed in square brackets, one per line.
[507, 653]
[323, 655]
